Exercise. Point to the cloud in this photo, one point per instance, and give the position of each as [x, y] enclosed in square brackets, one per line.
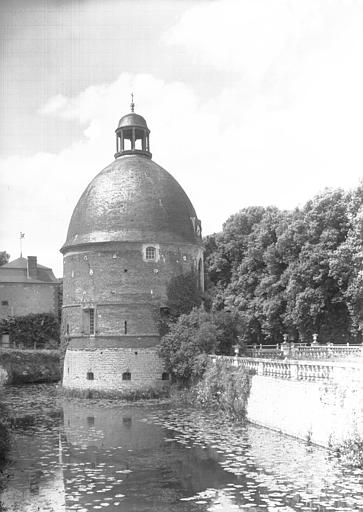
[286, 123]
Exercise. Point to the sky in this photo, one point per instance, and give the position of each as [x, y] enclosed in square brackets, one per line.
[249, 102]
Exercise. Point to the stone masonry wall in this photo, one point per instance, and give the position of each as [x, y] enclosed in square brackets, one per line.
[108, 365]
[324, 413]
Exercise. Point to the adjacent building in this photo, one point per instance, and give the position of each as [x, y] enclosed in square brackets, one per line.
[27, 287]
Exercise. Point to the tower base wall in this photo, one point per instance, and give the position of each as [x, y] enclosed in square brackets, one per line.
[113, 369]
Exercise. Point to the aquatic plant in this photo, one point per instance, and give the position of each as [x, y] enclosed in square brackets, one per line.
[351, 451]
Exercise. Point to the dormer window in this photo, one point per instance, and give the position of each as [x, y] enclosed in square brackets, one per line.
[150, 253]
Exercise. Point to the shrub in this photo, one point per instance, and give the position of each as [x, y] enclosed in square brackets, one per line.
[351, 451]
[32, 331]
[225, 388]
[191, 336]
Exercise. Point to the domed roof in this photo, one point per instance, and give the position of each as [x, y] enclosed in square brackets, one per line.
[132, 119]
[133, 199]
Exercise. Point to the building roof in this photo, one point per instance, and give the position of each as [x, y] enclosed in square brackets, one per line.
[133, 199]
[16, 272]
[20, 263]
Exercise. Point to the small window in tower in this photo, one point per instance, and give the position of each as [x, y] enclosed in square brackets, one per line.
[4, 303]
[127, 421]
[67, 329]
[91, 321]
[165, 376]
[164, 311]
[90, 376]
[125, 327]
[126, 376]
[150, 253]
[90, 421]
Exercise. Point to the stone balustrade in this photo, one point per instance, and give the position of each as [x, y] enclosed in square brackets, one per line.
[303, 351]
[302, 370]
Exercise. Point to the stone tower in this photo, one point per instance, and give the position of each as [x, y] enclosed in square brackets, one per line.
[132, 231]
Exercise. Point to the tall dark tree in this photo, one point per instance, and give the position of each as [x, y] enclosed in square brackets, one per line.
[298, 272]
[4, 257]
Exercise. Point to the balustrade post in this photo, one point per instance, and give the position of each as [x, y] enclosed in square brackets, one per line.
[294, 371]
[260, 368]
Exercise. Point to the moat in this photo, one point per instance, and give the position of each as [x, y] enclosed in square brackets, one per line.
[85, 455]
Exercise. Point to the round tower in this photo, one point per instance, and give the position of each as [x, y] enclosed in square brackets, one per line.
[131, 233]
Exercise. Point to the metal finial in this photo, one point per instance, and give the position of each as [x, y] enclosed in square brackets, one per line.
[132, 102]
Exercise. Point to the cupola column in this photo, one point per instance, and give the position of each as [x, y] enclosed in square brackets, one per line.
[133, 139]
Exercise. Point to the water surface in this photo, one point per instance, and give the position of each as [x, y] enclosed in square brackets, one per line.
[82, 455]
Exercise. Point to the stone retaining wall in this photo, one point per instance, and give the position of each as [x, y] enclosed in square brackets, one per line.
[320, 403]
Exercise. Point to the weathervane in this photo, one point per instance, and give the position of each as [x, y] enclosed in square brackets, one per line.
[21, 238]
[132, 102]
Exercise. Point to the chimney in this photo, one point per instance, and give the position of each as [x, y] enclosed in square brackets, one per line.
[32, 267]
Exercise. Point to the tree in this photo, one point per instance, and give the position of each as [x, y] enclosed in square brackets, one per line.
[292, 271]
[190, 336]
[4, 257]
[183, 294]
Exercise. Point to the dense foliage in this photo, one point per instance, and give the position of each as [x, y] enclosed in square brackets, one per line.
[351, 451]
[194, 335]
[4, 257]
[32, 331]
[295, 272]
[183, 294]
[30, 366]
[225, 389]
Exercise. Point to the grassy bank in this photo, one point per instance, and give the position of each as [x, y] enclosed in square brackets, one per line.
[129, 396]
[30, 366]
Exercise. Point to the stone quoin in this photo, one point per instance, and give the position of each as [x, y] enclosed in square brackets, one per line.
[133, 230]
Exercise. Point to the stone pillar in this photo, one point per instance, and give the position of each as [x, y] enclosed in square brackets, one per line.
[133, 139]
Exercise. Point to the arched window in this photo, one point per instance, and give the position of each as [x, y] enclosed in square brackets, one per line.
[126, 376]
[150, 253]
[90, 376]
[165, 376]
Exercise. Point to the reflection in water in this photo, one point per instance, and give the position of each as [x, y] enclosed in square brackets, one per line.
[88, 456]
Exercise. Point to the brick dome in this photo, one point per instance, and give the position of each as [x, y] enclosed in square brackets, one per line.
[133, 199]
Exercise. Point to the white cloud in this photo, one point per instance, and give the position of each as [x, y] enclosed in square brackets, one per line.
[286, 126]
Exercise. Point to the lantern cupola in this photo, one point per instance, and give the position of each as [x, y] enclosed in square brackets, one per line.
[132, 135]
